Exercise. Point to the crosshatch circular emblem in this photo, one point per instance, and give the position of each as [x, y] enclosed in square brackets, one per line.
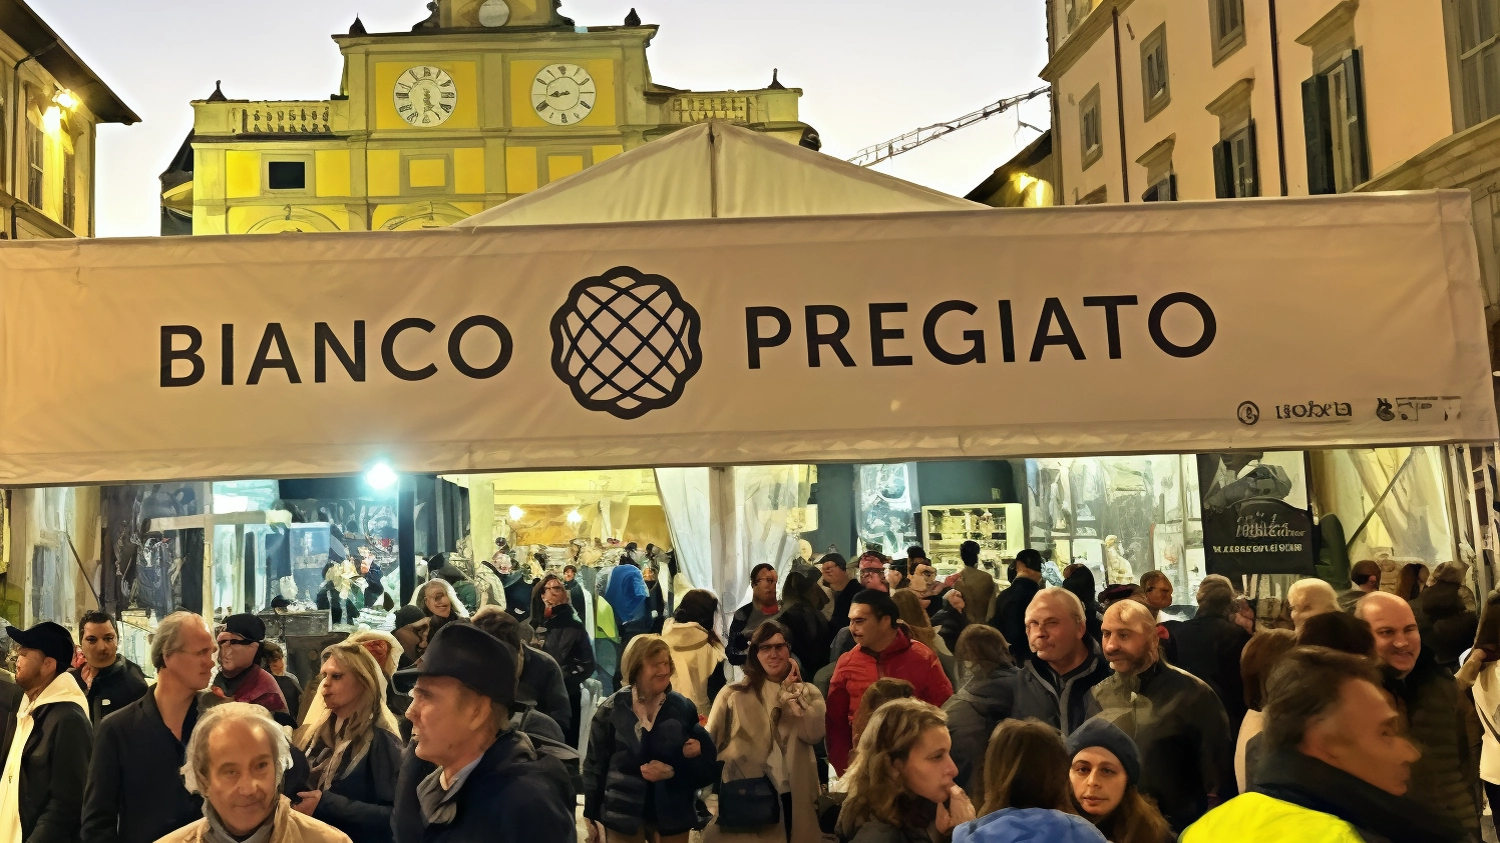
[626, 343]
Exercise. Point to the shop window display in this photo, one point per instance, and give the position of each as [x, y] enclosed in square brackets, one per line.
[1119, 516]
[886, 504]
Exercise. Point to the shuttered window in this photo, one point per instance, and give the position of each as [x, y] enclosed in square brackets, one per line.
[1479, 59]
[1334, 127]
[1227, 22]
[1090, 130]
[1155, 83]
[1236, 168]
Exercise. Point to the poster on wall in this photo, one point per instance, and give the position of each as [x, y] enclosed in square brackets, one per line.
[1255, 518]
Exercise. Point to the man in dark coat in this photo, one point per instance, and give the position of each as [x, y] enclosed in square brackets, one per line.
[1179, 725]
[841, 589]
[567, 642]
[1209, 646]
[763, 606]
[108, 679]
[490, 783]
[1055, 682]
[47, 759]
[1432, 707]
[540, 684]
[135, 792]
[1010, 606]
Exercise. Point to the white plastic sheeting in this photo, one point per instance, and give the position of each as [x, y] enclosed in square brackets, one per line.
[1407, 519]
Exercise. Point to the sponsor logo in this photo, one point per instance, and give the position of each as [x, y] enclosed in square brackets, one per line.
[626, 343]
[1314, 411]
[1248, 413]
[1442, 408]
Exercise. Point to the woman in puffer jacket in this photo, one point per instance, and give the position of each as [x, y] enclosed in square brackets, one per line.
[1027, 794]
[647, 755]
[986, 697]
[768, 725]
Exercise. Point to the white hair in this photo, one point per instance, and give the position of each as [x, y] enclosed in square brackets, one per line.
[195, 771]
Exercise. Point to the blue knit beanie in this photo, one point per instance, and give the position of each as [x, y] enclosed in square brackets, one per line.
[1099, 732]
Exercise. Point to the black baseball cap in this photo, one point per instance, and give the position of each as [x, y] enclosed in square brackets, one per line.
[52, 639]
[474, 657]
[246, 626]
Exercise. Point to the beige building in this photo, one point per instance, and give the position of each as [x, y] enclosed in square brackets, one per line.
[1167, 99]
[51, 104]
[482, 101]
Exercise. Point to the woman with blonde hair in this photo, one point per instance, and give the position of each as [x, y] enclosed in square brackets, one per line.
[900, 783]
[766, 727]
[647, 755]
[915, 617]
[437, 599]
[352, 747]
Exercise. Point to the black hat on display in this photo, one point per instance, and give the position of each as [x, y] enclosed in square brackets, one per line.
[53, 640]
[474, 657]
[246, 626]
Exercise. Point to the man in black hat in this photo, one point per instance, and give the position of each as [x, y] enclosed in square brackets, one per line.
[491, 783]
[47, 758]
[241, 676]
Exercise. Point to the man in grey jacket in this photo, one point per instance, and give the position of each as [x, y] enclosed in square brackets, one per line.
[1054, 684]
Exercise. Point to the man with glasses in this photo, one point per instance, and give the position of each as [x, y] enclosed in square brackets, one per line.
[762, 607]
[872, 572]
[241, 677]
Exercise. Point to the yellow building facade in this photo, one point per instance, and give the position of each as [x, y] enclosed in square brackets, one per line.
[483, 101]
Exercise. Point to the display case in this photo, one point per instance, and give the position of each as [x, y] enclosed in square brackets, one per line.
[997, 527]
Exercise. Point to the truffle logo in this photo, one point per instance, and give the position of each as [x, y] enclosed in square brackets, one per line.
[626, 343]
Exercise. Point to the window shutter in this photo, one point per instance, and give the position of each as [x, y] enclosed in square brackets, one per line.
[1223, 178]
[1252, 164]
[1172, 188]
[1318, 134]
[1359, 148]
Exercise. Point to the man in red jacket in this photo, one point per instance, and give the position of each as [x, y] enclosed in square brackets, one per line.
[883, 650]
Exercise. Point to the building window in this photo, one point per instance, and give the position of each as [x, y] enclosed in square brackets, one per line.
[1333, 118]
[1075, 12]
[1236, 171]
[1477, 22]
[70, 189]
[286, 175]
[36, 153]
[1098, 196]
[1162, 191]
[1154, 79]
[1227, 20]
[1090, 130]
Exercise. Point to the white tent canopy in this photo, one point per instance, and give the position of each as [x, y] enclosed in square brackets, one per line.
[716, 170]
[721, 170]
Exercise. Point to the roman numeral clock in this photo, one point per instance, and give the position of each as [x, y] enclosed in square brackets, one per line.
[425, 96]
[563, 94]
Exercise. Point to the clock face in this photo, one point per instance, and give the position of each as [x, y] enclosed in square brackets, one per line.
[425, 96]
[494, 13]
[563, 94]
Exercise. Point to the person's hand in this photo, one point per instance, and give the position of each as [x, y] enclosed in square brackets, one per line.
[955, 599]
[793, 676]
[1476, 655]
[596, 832]
[656, 771]
[958, 811]
[309, 803]
[692, 749]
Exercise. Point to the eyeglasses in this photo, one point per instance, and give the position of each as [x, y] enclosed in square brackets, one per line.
[766, 581]
[774, 648]
[239, 642]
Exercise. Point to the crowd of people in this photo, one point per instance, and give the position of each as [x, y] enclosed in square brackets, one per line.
[863, 702]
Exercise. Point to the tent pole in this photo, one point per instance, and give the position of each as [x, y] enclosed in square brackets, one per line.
[1380, 500]
[713, 172]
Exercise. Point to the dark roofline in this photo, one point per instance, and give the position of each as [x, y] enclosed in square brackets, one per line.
[27, 29]
[1033, 154]
[471, 31]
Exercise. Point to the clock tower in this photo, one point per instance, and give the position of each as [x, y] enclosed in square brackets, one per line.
[479, 102]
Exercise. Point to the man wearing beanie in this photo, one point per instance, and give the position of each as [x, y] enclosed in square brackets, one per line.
[240, 675]
[47, 760]
[470, 777]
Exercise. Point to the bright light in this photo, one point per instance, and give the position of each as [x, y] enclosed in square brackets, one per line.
[381, 476]
[66, 99]
[574, 517]
[517, 513]
[52, 120]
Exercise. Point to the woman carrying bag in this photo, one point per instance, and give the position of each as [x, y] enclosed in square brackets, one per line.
[766, 726]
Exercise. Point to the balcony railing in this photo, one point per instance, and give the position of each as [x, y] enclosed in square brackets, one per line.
[282, 118]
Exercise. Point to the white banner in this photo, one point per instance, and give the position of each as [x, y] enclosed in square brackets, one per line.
[1179, 327]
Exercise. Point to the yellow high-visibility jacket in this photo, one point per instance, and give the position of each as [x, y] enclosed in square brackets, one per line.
[1257, 818]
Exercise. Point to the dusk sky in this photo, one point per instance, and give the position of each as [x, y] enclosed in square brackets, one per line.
[869, 69]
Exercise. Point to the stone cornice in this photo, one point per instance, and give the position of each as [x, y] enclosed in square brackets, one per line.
[1075, 45]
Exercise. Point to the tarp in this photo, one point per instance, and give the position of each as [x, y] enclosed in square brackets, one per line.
[1175, 328]
[711, 170]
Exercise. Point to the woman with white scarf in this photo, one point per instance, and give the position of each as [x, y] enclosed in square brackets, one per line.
[352, 747]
